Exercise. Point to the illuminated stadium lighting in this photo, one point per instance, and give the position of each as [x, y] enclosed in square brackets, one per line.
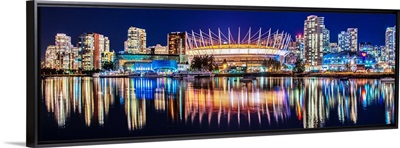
[256, 43]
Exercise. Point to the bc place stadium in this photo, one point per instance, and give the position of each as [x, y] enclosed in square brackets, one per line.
[246, 49]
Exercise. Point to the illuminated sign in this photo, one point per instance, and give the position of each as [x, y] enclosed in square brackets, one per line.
[167, 64]
[363, 54]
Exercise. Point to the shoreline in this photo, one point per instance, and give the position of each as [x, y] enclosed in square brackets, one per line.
[264, 74]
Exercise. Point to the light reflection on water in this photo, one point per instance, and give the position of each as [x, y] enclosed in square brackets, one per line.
[269, 102]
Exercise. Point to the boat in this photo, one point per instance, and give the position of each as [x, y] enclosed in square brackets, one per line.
[150, 74]
[387, 80]
[201, 74]
[113, 75]
[180, 74]
[343, 78]
[134, 75]
[206, 74]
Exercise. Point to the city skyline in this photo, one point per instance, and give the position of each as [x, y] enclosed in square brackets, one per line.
[157, 34]
[111, 72]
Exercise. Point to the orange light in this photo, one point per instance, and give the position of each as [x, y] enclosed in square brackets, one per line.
[364, 54]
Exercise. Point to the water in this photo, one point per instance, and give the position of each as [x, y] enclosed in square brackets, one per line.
[86, 108]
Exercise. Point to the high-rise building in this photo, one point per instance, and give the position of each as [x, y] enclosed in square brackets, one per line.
[107, 56]
[176, 43]
[382, 55]
[136, 42]
[315, 35]
[99, 46]
[326, 41]
[51, 57]
[63, 49]
[348, 40]
[291, 57]
[106, 44]
[62, 55]
[86, 46]
[293, 53]
[353, 32]
[300, 46]
[58, 55]
[92, 45]
[334, 47]
[74, 59]
[343, 41]
[366, 47]
[390, 44]
[377, 53]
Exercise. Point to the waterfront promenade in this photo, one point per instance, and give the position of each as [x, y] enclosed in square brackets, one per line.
[260, 74]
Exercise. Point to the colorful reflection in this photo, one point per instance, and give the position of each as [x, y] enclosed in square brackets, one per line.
[87, 97]
[219, 103]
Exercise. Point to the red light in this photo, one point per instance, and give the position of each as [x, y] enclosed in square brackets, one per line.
[363, 54]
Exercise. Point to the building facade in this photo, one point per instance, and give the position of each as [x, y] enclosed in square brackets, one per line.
[348, 61]
[379, 53]
[343, 41]
[158, 49]
[51, 57]
[108, 57]
[74, 59]
[348, 40]
[92, 47]
[136, 42]
[326, 41]
[176, 43]
[390, 44]
[334, 47]
[315, 36]
[366, 47]
[300, 46]
[62, 55]
[146, 62]
[353, 32]
[86, 46]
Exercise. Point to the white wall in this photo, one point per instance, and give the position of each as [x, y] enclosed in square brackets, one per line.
[12, 104]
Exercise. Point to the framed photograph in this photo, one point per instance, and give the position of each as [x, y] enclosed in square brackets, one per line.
[122, 72]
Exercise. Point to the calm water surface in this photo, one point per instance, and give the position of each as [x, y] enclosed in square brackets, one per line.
[86, 108]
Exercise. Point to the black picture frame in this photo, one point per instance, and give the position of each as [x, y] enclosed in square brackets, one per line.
[33, 73]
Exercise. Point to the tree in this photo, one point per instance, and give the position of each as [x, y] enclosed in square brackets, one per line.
[196, 63]
[299, 66]
[277, 65]
[285, 66]
[201, 63]
[60, 71]
[264, 64]
[272, 64]
[348, 67]
[48, 71]
[210, 64]
[108, 65]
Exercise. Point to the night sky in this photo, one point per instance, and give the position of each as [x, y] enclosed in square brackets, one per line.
[114, 23]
